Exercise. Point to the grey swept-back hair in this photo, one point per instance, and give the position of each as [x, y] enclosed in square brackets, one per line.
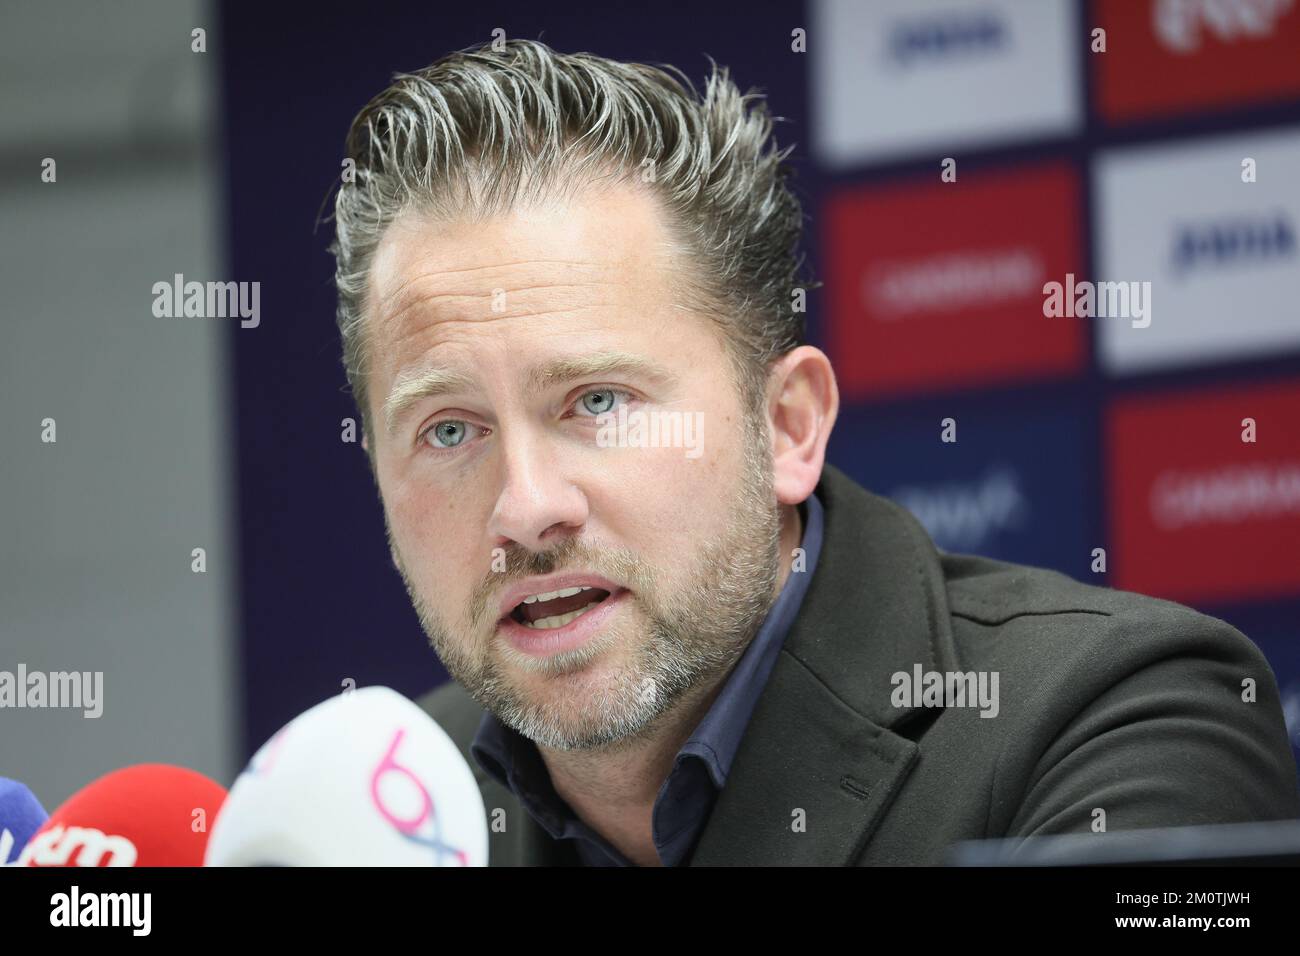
[483, 129]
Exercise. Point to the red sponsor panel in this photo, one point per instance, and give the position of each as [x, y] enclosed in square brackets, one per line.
[940, 285]
[1197, 514]
[1175, 56]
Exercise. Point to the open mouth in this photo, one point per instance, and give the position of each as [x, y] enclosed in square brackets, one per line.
[556, 608]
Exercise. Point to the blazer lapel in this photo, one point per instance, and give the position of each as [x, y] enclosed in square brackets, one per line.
[823, 756]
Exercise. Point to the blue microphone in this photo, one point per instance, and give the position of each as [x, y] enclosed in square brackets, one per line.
[21, 815]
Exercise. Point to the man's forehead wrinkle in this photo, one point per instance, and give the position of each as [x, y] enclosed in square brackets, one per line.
[422, 273]
[405, 299]
[478, 319]
[476, 309]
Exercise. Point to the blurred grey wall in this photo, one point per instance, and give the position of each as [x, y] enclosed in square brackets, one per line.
[97, 529]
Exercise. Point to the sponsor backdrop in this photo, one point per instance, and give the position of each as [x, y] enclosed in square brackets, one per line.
[1061, 278]
[1162, 428]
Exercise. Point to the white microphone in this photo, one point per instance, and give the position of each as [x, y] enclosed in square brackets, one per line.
[364, 779]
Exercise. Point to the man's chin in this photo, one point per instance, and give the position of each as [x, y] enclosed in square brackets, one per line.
[579, 722]
[578, 704]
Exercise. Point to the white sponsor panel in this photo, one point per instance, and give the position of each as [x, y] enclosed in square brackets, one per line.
[897, 77]
[1221, 254]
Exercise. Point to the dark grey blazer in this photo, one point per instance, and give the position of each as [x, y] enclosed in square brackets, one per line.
[1107, 700]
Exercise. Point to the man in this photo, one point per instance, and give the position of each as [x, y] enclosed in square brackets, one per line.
[676, 634]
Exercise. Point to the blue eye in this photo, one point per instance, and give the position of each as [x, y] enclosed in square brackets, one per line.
[599, 401]
[447, 434]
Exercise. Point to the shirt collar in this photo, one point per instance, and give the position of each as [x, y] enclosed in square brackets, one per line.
[717, 737]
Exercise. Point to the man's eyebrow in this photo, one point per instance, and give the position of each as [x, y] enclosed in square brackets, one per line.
[426, 383]
[412, 387]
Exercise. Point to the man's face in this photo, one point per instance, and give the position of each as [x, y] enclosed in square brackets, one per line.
[494, 347]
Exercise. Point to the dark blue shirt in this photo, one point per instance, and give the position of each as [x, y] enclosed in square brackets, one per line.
[700, 769]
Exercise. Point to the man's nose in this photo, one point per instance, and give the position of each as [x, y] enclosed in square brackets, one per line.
[537, 503]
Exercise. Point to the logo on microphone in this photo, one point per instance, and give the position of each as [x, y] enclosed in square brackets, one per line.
[391, 783]
[59, 845]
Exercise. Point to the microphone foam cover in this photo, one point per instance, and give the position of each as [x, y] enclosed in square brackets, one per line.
[21, 815]
[364, 779]
[143, 815]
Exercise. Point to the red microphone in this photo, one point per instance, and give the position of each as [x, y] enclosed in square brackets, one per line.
[145, 815]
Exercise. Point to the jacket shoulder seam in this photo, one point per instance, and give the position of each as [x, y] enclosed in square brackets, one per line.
[991, 619]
